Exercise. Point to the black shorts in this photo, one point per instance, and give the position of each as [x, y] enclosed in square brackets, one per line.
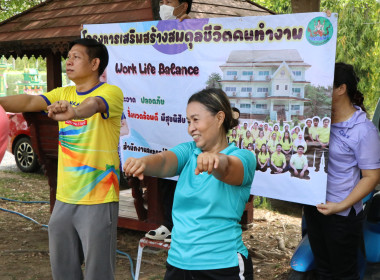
[244, 271]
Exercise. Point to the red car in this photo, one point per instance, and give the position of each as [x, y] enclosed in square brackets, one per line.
[20, 145]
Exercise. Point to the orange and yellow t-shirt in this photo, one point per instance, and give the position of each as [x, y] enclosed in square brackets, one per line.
[88, 160]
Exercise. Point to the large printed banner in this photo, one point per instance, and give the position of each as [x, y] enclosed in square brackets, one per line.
[274, 69]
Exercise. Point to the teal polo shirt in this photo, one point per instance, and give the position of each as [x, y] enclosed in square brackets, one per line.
[206, 213]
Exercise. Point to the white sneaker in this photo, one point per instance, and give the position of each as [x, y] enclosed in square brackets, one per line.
[158, 234]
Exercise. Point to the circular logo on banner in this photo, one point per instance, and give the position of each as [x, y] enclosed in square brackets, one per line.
[319, 31]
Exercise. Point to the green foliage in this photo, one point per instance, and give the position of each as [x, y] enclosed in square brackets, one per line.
[357, 40]
[12, 79]
[320, 101]
[9, 8]
[278, 6]
[358, 43]
[213, 81]
[262, 202]
[19, 64]
[295, 121]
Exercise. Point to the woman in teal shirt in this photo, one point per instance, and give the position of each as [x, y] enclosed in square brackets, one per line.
[213, 187]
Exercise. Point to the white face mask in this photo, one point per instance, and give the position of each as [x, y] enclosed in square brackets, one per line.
[166, 12]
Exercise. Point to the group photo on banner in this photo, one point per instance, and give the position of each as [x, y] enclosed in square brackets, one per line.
[272, 69]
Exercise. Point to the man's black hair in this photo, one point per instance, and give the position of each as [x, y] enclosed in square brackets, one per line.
[94, 49]
[189, 2]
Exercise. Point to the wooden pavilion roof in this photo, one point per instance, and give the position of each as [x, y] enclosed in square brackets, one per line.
[51, 25]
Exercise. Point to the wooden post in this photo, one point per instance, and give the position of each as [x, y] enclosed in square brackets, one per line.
[47, 157]
[305, 6]
[156, 9]
[44, 137]
[54, 70]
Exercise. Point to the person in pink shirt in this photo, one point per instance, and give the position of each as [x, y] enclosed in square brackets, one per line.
[4, 131]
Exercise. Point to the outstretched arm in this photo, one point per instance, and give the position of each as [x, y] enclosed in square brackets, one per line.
[161, 165]
[367, 183]
[63, 111]
[228, 169]
[23, 103]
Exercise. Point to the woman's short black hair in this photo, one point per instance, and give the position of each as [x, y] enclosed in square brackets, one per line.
[95, 49]
[216, 100]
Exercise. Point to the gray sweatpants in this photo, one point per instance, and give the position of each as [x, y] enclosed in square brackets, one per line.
[83, 233]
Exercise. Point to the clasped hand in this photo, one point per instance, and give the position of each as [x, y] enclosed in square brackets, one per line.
[134, 167]
[207, 162]
[61, 111]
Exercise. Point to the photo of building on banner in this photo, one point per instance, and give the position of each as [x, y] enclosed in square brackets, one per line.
[277, 71]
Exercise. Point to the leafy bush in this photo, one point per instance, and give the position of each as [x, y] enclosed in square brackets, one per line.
[261, 202]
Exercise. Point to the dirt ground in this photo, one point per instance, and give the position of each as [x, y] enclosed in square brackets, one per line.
[24, 245]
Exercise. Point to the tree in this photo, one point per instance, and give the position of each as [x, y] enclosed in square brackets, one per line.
[9, 8]
[213, 80]
[320, 101]
[357, 40]
[277, 6]
[358, 43]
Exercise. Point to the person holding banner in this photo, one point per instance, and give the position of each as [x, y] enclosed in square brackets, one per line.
[83, 225]
[213, 187]
[4, 129]
[170, 9]
[335, 227]
[175, 9]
